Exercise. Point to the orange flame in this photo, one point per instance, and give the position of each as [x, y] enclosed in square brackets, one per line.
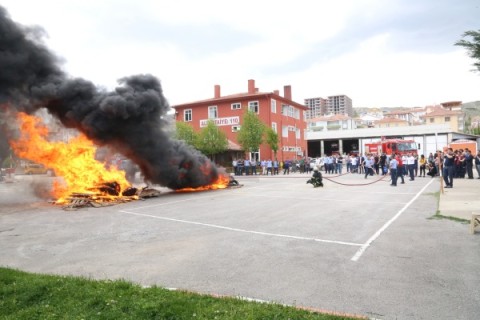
[74, 161]
[220, 183]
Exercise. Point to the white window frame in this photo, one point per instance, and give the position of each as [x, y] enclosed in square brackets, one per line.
[273, 106]
[187, 115]
[254, 106]
[274, 127]
[236, 106]
[212, 112]
[291, 112]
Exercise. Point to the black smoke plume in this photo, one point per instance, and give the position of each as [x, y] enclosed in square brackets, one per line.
[132, 119]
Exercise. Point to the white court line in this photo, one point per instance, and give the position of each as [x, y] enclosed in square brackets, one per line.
[364, 247]
[242, 230]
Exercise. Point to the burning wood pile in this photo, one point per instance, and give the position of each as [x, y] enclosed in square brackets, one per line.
[86, 182]
[107, 194]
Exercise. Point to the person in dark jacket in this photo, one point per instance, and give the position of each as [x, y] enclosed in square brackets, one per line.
[316, 179]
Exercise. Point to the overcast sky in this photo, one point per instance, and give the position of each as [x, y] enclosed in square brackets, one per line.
[380, 53]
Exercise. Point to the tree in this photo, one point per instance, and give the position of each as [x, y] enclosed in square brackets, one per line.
[212, 140]
[472, 47]
[185, 132]
[271, 139]
[250, 135]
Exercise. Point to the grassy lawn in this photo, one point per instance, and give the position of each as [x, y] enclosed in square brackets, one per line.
[33, 296]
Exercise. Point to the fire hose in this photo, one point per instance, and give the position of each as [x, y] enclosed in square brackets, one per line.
[346, 184]
[356, 184]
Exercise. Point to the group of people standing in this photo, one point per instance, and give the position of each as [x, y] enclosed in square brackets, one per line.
[272, 167]
[458, 164]
[406, 165]
[454, 164]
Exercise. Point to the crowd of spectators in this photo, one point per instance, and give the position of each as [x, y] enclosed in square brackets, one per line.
[456, 164]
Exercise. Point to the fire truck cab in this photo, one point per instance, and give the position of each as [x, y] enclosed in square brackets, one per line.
[392, 146]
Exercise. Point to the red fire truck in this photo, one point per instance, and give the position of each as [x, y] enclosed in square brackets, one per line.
[389, 146]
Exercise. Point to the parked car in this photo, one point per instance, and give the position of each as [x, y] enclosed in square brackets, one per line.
[34, 168]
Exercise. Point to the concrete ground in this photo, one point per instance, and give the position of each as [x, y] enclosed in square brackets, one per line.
[357, 245]
[461, 200]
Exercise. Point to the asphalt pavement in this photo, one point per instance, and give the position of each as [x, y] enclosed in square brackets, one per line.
[356, 245]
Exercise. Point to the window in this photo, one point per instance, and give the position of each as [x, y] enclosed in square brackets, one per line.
[187, 115]
[297, 133]
[235, 128]
[273, 104]
[431, 120]
[212, 112]
[284, 131]
[236, 106]
[290, 111]
[253, 106]
[447, 119]
[274, 126]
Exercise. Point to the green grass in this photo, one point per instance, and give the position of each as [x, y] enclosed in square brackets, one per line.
[438, 214]
[33, 296]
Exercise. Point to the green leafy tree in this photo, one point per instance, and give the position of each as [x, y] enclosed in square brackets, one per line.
[473, 47]
[271, 139]
[250, 135]
[212, 140]
[185, 132]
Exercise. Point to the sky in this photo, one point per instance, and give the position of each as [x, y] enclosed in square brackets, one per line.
[380, 53]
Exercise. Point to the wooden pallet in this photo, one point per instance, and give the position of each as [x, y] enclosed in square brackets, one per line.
[474, 222]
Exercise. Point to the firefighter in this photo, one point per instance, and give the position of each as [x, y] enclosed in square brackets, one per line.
[316, 179]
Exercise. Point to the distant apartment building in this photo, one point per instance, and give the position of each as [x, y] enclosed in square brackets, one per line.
[318, 107]
[340, 104]
[440, 115]
[413, 116]
[390, 122]
[404, 115]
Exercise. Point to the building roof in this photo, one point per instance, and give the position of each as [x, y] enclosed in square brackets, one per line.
[391, 113]
[368, 117]
[252, 93]
[233, 146]
[237, 96]
[451, 103]
[379, 132]
[390, 120]
[335, 117]
[439, 111]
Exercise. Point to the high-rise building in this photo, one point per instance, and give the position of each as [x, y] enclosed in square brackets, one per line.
[317, 107]
[340, 104]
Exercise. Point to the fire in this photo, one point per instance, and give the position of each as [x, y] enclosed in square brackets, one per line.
[221, 183]
[74, 161]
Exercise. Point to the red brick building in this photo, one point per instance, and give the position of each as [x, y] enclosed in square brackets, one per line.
[280, 113]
